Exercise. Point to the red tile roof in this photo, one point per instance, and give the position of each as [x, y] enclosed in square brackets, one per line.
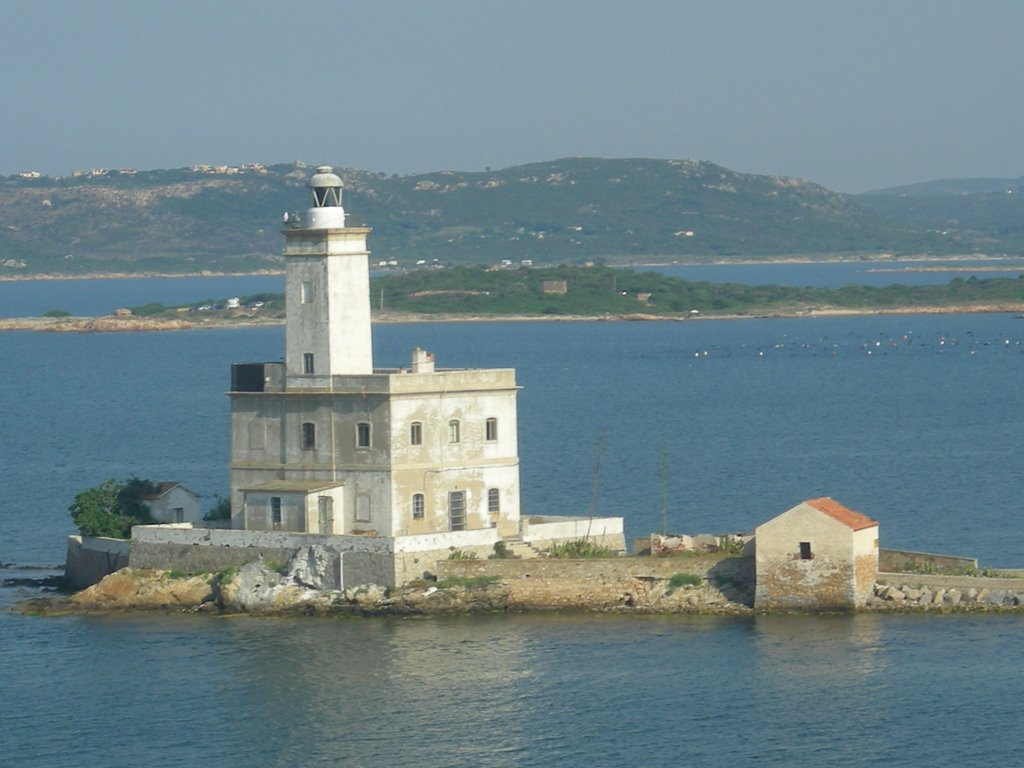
[837, 511]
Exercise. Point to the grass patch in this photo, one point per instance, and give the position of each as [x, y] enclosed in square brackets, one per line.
[578, 549]
[176, 573]
[225, 575]
[278, 566]
[462, 554]
[683, 580]
[469, 582]
[931, 569]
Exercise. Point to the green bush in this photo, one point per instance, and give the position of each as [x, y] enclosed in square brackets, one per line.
[112, 508]
[462, 554]
[684, 580]
[500, 551]
[221, 509]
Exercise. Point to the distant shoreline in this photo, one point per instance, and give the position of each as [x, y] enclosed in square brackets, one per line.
[877, 263]
[110, 323]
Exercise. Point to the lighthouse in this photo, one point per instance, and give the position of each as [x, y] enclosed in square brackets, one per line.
[327, 291]
[390, 469]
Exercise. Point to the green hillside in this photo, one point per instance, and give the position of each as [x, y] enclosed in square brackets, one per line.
[988, 213]
[571, 210]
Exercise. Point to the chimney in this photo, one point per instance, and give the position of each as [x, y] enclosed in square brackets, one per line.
[422, 361]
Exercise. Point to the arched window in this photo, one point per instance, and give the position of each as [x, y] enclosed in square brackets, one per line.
[418, 505]
[453, 431]
[493, 500]
[416, 433]
[491, 430]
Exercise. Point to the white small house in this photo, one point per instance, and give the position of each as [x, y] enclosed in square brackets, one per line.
[173, 503]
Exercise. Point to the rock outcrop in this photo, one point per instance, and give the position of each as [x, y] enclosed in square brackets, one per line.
[938, 598]
[135, 589]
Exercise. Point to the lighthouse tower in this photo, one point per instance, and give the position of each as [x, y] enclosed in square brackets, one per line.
[327, 291]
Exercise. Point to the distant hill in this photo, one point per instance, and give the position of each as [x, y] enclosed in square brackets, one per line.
[988, 213]
[570, 210]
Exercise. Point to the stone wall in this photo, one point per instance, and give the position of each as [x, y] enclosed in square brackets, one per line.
[896, 560]
[90, 558]
[541, 530]
[353, 559]
[608, 583]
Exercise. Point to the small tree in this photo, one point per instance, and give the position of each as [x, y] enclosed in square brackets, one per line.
[221, 510]
[112, 508]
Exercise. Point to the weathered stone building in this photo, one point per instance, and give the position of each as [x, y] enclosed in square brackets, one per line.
[423, 459]
[324, 443]
[819, 555]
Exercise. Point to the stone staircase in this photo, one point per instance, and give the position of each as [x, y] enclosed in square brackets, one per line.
[516, 548]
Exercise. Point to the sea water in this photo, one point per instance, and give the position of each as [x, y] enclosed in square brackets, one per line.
[914, 420]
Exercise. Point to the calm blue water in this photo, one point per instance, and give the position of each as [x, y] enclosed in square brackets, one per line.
[31, 298]
[917, 421]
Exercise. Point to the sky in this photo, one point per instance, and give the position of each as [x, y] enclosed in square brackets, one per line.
[852, 94]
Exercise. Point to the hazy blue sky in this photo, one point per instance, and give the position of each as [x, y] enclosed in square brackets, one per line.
[854, 95]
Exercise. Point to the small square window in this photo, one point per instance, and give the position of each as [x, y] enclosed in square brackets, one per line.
[805, 550]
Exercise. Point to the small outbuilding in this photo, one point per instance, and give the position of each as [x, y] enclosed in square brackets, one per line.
[173, 503]
[817, 556]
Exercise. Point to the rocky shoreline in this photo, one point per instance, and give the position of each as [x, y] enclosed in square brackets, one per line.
[261, 589]
[265, 589]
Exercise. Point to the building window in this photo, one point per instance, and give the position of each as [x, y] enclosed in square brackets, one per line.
[363, 514]
[179, 514]
[257, 435]
[456, 510]
[307, 293]
[493, 500]
[308, 436]
[491, 430]
[418, 504]
[307, 362]
[275, 512]
[363, 434]
[416, 434]
[805, 550]
[453, 431]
